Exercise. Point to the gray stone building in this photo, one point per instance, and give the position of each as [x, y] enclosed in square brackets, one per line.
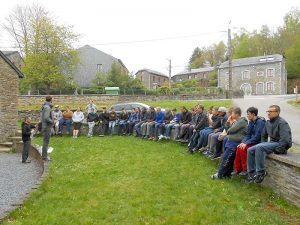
[9, 91]
[199, 73]
[151, 79]
[93, 61]
[261, 75]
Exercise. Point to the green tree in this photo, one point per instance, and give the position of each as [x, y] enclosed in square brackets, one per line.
[293, 60]
[46, 46]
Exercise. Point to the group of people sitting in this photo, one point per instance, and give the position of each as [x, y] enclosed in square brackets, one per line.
[241, 143]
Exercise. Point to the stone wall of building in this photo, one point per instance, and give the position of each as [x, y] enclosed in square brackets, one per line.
[9, 89]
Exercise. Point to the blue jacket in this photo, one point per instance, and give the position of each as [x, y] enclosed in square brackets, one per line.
[177, 117]
[223, 123]
[159, 117]
[254, 131]
[131, 117]
[136, 117]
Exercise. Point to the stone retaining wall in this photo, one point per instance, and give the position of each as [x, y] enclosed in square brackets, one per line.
[284, 176]
[107, 100]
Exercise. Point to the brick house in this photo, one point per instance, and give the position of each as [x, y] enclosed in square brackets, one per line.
[151, 79]
[199, 73]
[9, 91]
[15, 58]
[93, 61]
[261, 75]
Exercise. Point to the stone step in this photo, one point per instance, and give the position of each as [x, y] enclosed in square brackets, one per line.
[15, 138]
[4, 149]
[19, 133]
[6, 144]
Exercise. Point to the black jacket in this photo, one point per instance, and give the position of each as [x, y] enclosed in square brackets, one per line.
[150, 116]
[123, 116]
[279, 131]
[112, 116]
[202, 121]
[168, 117]
[92, 117]
[216, 122]
[26, 131]
[104, 117]
[185, 117]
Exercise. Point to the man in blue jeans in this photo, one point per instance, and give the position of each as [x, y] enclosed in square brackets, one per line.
[279, 132]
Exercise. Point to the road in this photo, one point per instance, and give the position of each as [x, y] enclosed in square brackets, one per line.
[288, 112]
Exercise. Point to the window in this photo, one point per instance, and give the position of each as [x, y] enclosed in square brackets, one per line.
[269, 86]
[99, 68]
[227, 76]
[260, 88]
[260, 73]
[270, 72]
[158, 79]
[246, 75]
[153, 78]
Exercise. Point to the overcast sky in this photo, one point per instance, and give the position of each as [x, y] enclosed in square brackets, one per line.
[107, 24]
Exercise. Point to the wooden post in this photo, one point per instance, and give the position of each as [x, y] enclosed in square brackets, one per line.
[296, 90]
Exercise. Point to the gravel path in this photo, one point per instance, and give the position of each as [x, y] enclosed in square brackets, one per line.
[16, 179]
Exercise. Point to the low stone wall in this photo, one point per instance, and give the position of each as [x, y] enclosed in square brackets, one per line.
[107, 99]
[284, 176]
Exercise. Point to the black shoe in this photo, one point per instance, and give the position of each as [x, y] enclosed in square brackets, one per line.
[215, 157]
[47, 159]
[27, 161]
[260, 177]
[250, 178]
[189, 151]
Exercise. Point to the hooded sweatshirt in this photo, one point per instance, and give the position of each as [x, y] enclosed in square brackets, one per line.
[237, 130]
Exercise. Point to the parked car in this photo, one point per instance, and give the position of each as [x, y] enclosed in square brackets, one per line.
[128, 106]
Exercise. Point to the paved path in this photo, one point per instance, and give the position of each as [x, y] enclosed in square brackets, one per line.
[16, 179]
[288, 112]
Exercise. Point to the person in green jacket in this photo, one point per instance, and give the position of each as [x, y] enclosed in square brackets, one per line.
[235, 134]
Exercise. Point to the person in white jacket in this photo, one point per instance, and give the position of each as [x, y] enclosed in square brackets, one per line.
[77, 118]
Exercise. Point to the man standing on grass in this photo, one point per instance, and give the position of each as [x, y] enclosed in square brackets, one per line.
[47, 124]
[26, 138]
[279, 132]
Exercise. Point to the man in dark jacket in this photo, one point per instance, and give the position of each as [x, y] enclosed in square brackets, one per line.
[47, 124]
[122, 122]
[201, 123]
[279, 132]
[252, 137]
[26, 133]
[103, 122]
[142, 120]
[185, 118]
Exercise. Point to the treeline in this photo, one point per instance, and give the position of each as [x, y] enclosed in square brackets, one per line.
[284, 40]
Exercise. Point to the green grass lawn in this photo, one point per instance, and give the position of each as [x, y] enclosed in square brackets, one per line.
[126, 180]
[295, 103]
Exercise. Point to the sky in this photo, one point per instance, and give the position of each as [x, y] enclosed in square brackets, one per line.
[175, 28]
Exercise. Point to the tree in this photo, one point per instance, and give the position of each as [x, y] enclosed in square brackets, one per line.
[47, 47]
[293, 60]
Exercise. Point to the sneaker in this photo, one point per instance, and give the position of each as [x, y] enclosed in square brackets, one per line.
[189, 151]
[202, 149]
[27, 161]
[47, 159]
[250, 178]
[243, 173]
[101, 135]
[215, 157]
[234, 173]
[215, 176]
[260, 177]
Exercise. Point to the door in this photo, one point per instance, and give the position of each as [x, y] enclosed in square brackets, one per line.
[246, 88]
[260, 88]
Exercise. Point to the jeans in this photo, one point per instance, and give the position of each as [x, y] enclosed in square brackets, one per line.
[226, 166]
[158, 129]
[122, 126]
[256, 156]
[46, 139]
[91, 128]
[194, 140]
[169, 128]
[202, 142]
[66, 122]
[25, 152]
[111, 127]
[212, 141]
[103, 128]
[137, 128]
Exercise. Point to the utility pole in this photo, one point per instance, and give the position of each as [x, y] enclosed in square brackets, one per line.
[229, 54]
[170, 70]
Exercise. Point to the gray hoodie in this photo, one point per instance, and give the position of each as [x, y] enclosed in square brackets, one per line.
[46, 116]
[237, 130]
